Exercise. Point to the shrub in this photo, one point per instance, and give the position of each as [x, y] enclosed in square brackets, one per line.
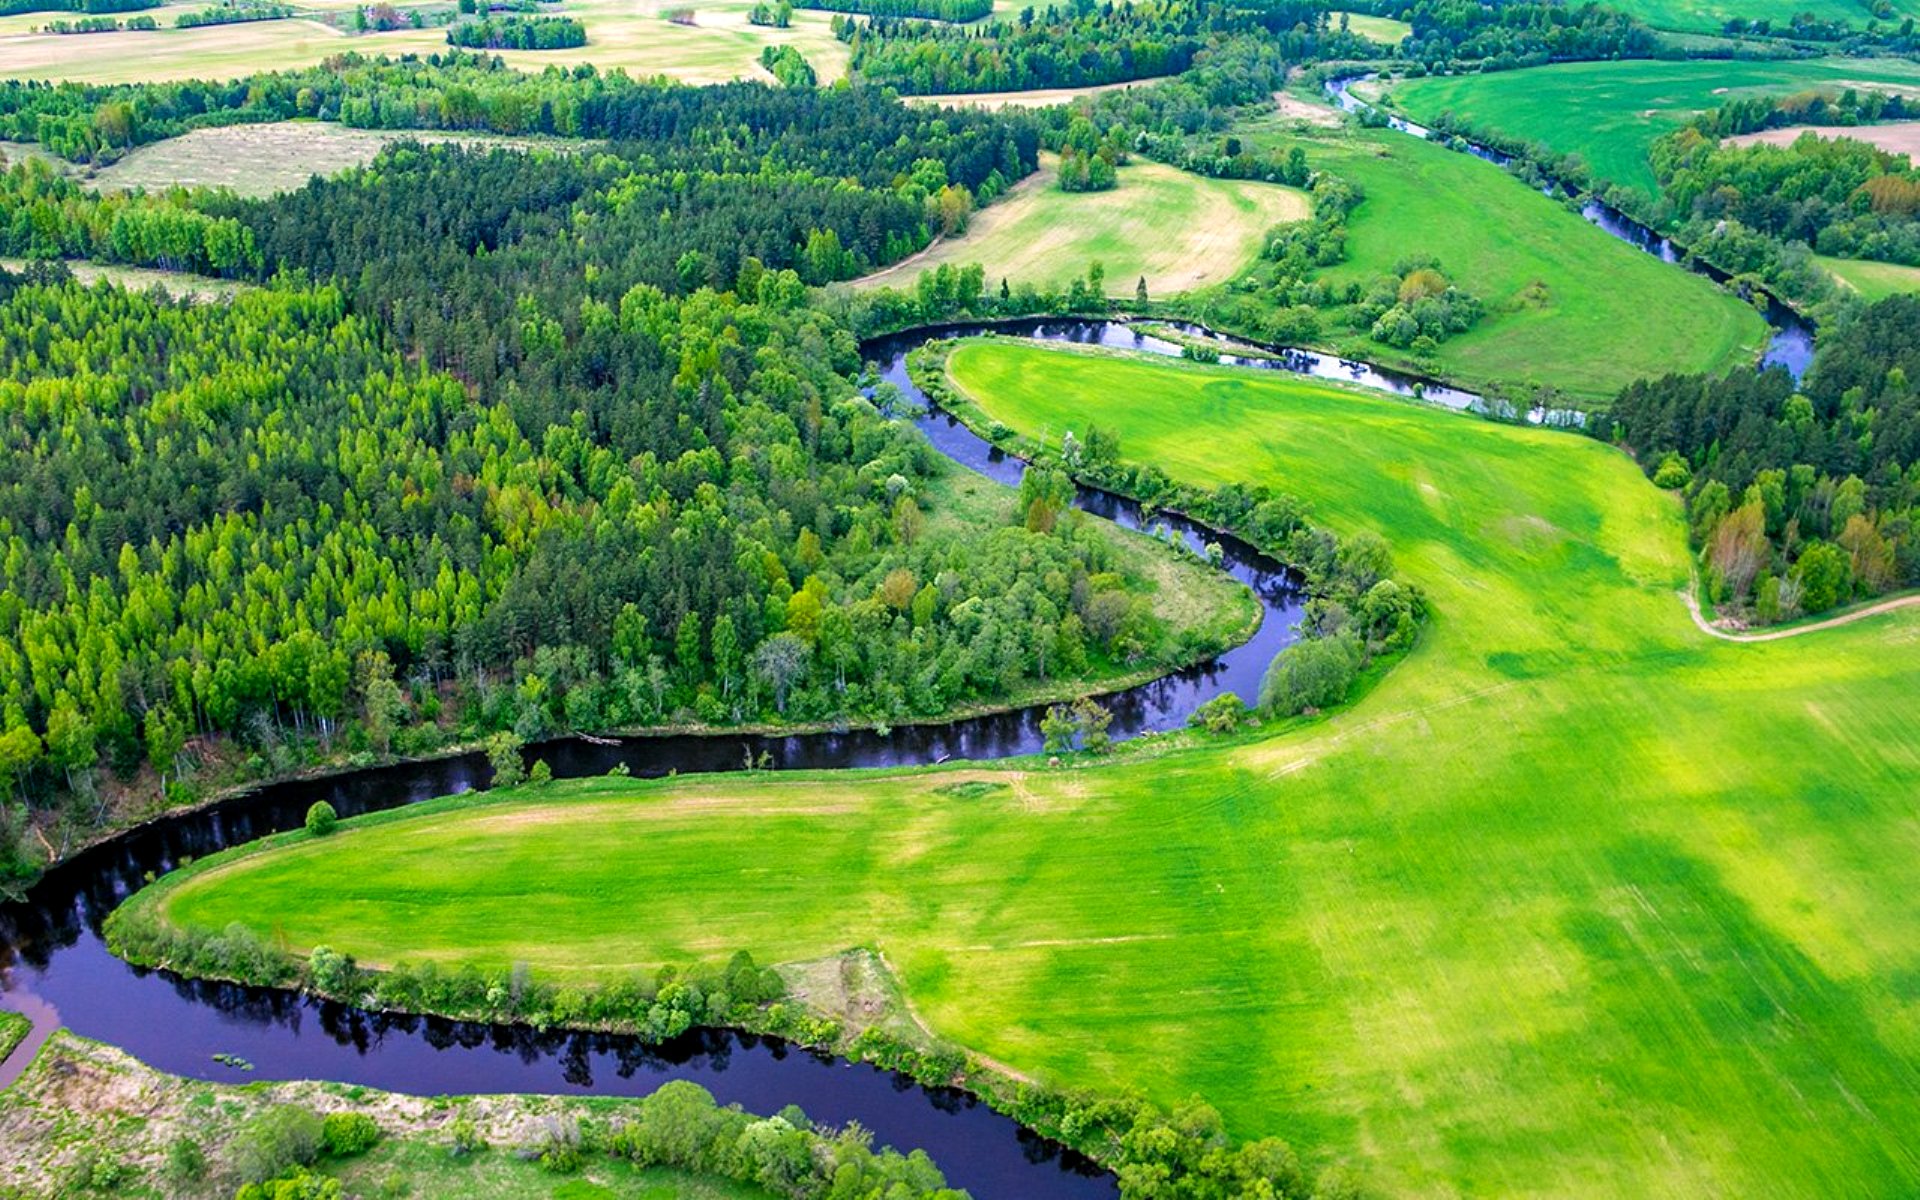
[275, 1142]
[1315, 673]
[466, 1138]
[1673, 472]
[344, 1134]
[321, 819]
[1222, 714]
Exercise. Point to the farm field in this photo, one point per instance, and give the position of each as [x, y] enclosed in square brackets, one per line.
[1180, 231]
[1710, 16]
[1610, 113]
[1873, 280]
[633, 35]
[259, 160]
[1895, 137]
[1562, 906]
[1034, 98]
[1565, 303]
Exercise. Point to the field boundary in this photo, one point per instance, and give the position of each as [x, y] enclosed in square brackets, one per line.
[1847, 618]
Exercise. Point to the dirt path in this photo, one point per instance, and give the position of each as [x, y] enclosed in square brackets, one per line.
[1858, 614]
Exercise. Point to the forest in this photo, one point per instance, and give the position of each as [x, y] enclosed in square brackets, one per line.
[1797, 500]
[518, 33]
[1840, 196]
[1502, 37]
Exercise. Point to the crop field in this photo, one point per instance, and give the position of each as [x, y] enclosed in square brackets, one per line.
[1709, 16]
[1563, 906]
[634, 35]
[1873, 280]
[1033, 98]
[1565, 303]
[259, 160]
[1895, 137]
[1610, 113]
[1180, 231]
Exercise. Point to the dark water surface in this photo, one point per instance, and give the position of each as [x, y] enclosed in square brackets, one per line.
[55, 967]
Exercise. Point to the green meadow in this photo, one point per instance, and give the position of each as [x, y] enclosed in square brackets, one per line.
[1873, 280]
[1576, 901]
[1565, 303]
[1710, 16]
[1610, 113]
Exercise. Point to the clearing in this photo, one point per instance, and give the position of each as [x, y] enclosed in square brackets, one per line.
[1610, 113]
[1178, 230]
[1577, 900]
[1711, 16]
[1873, 280]
[1037, 98]
[1384, 30]
[1565, 303]
[259, 160]
[1896, 137]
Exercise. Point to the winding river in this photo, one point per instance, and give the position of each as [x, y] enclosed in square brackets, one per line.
[55, 968]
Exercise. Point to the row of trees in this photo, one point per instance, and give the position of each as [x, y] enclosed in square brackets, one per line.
[518, 33]
[1797, 499]
[956, 11]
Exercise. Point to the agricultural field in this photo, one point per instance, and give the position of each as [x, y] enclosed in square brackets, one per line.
[1710, 16]
[259, 160]
[1873, 280]
[1033, 98]
[1561, 906]
[1565, 302]
[634, 35]
[1895, 137]
[1610, 113]
[1177, 230]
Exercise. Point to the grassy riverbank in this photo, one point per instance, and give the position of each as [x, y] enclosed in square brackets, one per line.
[1575, 900]
[1610, 113]
[1565, 303]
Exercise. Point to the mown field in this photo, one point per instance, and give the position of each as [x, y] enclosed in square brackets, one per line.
[1565, 303]
[259, 160]
[1178, 230]
[1384, 30]
[631, 34]
[1873, 280]
[1610, 113]
[1577, 901]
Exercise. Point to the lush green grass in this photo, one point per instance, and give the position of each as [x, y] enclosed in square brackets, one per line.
[1711, 16]
[1873, 280]
[1176, 229]
[632, 34]
[1566, 304]
[1610, 113]
[1385, 30]
[1577, 901]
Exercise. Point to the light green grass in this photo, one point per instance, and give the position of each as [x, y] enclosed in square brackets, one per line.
[1873, 280]
[629, 34]
[1565, 303]
[1710, 16]
[1577, 901]
[14, 1028]
[1384, 30]
[1176, 229]
[1610, 113]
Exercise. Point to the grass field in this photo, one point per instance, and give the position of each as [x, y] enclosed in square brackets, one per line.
[1710, 16]
[1873, 280]
[1178, 230]
[1566, 303]
[630, 34]
[1034, 98]
[1577, 901]
[1385, 30]
[1610, 113]
[139, 279]
[258, 160]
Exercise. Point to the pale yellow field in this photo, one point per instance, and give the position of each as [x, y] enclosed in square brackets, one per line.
[258, 160]
[629, 34]
[1038, 98]
[139, 279]
[1180, 231]
[1898, 137]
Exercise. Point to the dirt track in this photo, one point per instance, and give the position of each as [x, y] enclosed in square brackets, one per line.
[1858, 614]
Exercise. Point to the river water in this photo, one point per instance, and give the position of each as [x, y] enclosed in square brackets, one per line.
[55, 967]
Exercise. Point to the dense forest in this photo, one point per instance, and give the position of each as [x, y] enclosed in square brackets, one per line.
[538, 459]
[1839, 195]
[1798, 500]
[958, 11]
[1501, 37]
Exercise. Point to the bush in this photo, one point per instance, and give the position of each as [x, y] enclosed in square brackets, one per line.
[1222, 714]
[275, 1142]
[344, 1134]
[1315, 673]
[321, 819]
[466, 1138]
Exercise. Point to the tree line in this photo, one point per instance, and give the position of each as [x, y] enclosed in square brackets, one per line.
[1798, 499]
[518, 33]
